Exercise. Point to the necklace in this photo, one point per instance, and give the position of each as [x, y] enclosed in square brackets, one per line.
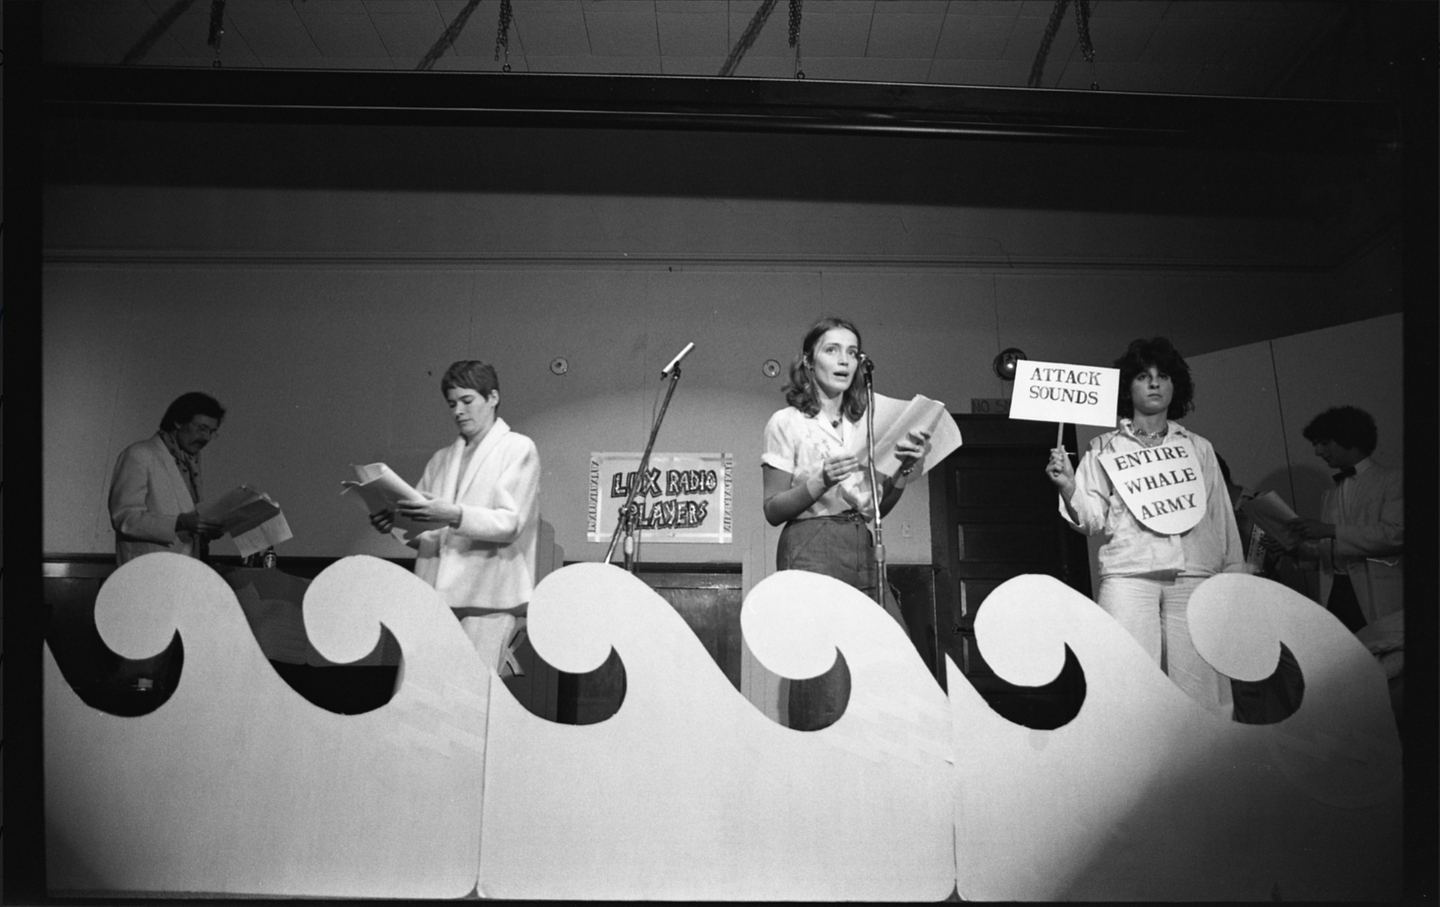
[1152, 435]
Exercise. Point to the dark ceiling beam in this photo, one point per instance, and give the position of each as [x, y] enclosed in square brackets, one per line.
[757, 105]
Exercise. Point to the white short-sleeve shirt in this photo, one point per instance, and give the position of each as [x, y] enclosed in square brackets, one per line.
[800, 444]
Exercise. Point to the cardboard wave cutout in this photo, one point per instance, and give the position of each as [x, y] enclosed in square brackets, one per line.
[238, 786]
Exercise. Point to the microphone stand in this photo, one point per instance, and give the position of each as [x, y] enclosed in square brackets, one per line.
[875, 494]
[627, 516]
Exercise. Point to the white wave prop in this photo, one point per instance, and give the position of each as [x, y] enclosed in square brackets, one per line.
[689, 791]
[1147, 796]
[237, 785]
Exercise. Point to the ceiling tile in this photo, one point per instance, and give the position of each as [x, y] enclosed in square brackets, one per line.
[409, 36]
[774, 38]
[974, 37]
[691, 66]
[458, 63]
[907, 36]
[553, 28]
[345, 63]
[477, 39]
[1226, 10]
[866, 69]
[703, 7]
[1118, 40]
[271, 29]
[643, 7]
[1149, 78]
[344, 35]
[621, 34]
[1129, 9]
[697, 34]
[1028, 34]
[1188, 40]
[760, 66]
[331, 8]
[980, 72]
[397, 7]
[831, 35]
[1003, 8]
[649, 66]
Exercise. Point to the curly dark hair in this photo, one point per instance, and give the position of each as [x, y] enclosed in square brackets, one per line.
[1348, 426]
[472, 374]
[187, 406]
[800, 386]
[1160, 353]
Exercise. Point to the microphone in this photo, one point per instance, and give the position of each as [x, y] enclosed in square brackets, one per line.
[866, 361]
[665, 372]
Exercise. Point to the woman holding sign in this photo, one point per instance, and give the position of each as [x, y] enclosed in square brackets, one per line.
[1154, 490]
[817, 487]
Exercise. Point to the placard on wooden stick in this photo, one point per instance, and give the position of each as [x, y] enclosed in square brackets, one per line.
[1058, 392]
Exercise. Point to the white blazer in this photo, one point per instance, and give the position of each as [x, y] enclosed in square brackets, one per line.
[1369, 539]
[489, 561]
[147, 493]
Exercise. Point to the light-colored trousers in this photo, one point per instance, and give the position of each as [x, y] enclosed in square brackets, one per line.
[1153, 610]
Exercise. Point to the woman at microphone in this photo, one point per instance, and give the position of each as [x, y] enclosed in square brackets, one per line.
[1146, 576]
[821, 493]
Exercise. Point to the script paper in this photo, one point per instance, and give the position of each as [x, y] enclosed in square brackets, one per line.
[379, 489]
[250, 517]
[894, 419]
[1274, 516]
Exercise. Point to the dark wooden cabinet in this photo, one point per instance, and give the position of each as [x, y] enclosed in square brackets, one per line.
[993, 516]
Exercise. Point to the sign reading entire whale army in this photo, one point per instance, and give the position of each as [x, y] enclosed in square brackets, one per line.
[1056, 392]
[1162, 486]
[682, 497]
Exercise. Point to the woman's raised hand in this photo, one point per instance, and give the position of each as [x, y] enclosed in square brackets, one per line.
[1060, 471]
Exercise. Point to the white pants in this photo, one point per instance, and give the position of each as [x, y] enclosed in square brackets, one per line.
[1153, 611]
[490, 635]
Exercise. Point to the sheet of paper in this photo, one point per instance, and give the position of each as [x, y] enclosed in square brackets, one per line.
[244, 511]
[378, 488]
[1274, 516]
[267, 534]
[894, 418]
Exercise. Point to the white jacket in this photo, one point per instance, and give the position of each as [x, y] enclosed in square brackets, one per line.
[489, 561]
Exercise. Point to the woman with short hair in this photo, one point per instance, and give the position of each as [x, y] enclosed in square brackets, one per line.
[1147, 574]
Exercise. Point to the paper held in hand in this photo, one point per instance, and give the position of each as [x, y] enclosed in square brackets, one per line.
[894, 418]
[1056, 392]
[378, 488]
[250, 517]
[1274, 516]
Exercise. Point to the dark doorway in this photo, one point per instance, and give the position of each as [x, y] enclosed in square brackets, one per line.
[993, 516]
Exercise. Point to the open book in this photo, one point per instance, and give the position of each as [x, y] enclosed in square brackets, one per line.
[894, 418]
[250, 517]
[1274, 516]
[378, 488]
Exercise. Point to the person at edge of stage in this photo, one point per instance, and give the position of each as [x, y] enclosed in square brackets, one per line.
[156, 484]
[1359, 541]
[482, 493]
[821, 493]
[1146, 577]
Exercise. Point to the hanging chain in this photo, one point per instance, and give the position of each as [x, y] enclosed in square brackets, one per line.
[502, 33]
[1082, 23]
[1037, 69]
[795, 35]
[217, 28]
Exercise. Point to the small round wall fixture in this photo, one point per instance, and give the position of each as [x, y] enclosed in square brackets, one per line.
[558, 366]
[771, 368]
[1004, 363]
